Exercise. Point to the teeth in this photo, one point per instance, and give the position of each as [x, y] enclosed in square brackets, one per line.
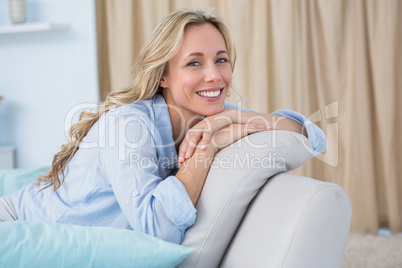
[210, 94]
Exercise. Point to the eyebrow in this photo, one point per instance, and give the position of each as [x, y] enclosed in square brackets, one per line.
[202, 54]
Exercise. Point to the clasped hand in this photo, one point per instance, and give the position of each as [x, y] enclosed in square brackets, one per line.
[221, 130]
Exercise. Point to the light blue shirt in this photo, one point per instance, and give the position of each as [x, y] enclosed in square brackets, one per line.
[123, 176]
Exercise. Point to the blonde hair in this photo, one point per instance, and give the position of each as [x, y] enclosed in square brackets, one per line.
[151, 64]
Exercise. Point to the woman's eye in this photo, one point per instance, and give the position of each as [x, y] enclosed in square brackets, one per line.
[222, 60]
[193, 63]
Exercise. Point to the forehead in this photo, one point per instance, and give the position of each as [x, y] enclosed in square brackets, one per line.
[202, 38]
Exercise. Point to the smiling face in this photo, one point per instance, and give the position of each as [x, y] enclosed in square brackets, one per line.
[199, 76]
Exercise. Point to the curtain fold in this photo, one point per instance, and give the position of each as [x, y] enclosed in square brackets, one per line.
[337, 62]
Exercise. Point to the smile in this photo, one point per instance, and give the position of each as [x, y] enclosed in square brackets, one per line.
[210, 94]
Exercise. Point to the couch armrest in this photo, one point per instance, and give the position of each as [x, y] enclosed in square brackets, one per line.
[294, 221]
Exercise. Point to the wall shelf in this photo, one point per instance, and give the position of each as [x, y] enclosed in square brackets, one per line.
[32, 28]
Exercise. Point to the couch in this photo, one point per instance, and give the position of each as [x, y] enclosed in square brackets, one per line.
[260, 215]
[248, 215]
[294, 221]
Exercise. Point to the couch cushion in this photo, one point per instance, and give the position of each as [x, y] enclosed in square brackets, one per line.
[235, 177]
[293, 221]
[38, 244]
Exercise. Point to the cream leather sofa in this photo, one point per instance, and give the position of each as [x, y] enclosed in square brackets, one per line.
[293, 222]
[247, 218]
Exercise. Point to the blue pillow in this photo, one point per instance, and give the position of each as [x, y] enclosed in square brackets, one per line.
[11, 180]
[38, 244]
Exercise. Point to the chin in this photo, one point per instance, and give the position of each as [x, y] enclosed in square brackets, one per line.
[214, 110]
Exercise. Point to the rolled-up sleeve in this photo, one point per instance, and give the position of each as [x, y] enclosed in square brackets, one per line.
[175, 202]
[315, 135]
[158, 207]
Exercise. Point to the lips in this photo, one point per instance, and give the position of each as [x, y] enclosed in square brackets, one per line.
[210, 93]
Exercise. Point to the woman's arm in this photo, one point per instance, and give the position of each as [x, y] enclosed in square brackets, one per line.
[315, 135]
[194, 171]
[274, 121]
[200, 135]
[151, 202]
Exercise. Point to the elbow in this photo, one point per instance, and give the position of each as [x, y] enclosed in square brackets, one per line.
[172, 235]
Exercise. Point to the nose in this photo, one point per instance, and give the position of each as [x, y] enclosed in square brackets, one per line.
[212, 73]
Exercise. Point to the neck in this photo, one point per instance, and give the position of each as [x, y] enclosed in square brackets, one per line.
[181, 121]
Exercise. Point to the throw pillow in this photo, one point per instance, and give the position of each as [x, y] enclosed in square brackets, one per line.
[38, 244]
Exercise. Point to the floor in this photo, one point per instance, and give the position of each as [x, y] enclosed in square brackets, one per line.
[373, 251]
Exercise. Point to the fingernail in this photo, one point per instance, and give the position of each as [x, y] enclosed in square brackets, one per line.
[181, 159]
[187, 155]
[203, 147]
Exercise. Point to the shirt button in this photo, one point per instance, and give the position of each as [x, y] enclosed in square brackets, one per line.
[135, 193]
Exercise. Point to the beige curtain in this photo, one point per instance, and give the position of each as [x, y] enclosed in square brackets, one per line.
[338, 62]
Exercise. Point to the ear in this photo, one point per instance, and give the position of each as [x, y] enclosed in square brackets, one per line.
[162, 82]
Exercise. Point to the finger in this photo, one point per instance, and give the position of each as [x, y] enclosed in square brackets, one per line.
[206, 138]
[189, 144]
[200, 135]
[192, 145]
[182, 151]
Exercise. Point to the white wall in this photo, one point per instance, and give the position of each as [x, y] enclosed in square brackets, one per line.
[43, 75]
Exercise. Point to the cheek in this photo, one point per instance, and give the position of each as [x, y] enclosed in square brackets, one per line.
[227, 76]
[181, 82]
[189, 81]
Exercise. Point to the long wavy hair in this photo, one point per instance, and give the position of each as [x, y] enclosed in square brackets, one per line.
[151, 65]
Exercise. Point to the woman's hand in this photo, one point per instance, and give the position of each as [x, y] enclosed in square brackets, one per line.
[199, 136]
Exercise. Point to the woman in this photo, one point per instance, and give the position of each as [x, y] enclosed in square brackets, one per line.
[135, 163]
